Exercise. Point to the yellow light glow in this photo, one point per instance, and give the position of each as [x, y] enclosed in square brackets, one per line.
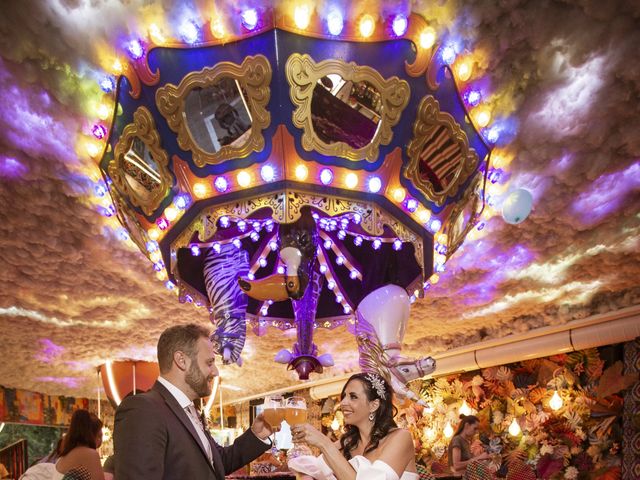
[482, 116]
[171, 213]
[351, 180]
[501, 158]
[161, 275]
[464, 69]
[335, 424]
[154, 233]
[156, 35]
[435, 278]
[448, 430]
[441, 259]
[301, 172]
[155, 256]
[424, 215]
[556, 401]
[465, 409]
[103, 111]
[430, 433]
[399, 194]
[93, 149]
[200, 190]
[217, 28]
[366, 26]
[427, 38]
[441, 238]
[302, 16]
[117, 67]
[243, 178]
[514, 428]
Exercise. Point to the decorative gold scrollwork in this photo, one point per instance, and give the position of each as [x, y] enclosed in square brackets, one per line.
[139, 168]
[440, 159]
[312, 90]
[231, 101]
[464, 216]
[285, 208]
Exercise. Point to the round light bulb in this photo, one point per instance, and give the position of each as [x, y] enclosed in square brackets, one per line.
[514, 428]
[335, 22]
[217, 28]
[556, 401]
[482, 116]
[153, 233]
[399, 25]
[448, 430]
[326, 176]
[243, 179]
[427, 38]
[424, 215]
[301, 172]
[200, 190]
[375, 184]
[117, 66]
[464, 69]
[366, 26]
[102, 111]
[399, 194]
[171, 213]
[302, 16]
[351, 180]
[335, 425]
[267, 173]
[435, 278]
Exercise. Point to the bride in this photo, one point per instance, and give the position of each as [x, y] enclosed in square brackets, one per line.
[372, 447]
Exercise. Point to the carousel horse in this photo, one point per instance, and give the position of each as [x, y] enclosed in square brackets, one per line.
[228, 302]
[382, 319]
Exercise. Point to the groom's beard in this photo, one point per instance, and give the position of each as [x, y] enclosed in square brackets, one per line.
[198, 381]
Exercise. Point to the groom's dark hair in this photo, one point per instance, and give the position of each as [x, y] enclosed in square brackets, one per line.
[183, 338]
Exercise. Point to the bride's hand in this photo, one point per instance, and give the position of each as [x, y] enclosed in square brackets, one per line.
[305, 433]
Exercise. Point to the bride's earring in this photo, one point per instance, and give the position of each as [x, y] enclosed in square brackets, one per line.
[372, 416]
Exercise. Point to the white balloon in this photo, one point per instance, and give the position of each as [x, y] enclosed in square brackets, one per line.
[517, 206]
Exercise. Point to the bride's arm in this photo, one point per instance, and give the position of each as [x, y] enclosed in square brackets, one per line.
[342, 469]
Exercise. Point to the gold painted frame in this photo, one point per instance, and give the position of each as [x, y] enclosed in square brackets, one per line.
[475, 201]
[302, 74]
[254, 76]
[144, 128]
[428, 118]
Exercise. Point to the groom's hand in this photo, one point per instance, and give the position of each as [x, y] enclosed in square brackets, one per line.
[261, 428]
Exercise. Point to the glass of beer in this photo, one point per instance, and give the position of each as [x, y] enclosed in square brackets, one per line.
[274, 409]
[296, 414]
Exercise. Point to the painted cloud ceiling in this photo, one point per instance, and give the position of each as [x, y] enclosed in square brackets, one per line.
[565, 73]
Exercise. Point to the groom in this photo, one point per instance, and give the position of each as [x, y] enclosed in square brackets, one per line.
[159, 434]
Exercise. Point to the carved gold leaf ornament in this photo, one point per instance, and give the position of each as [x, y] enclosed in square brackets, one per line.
[303, 74]
[254, 79]
[123, 171]
[437, 137]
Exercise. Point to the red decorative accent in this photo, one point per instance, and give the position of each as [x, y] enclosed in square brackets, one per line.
[146, 76]
[131, 75]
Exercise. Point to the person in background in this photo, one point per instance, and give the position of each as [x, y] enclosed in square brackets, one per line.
[54, 455]
[79, 458]
[460, 446]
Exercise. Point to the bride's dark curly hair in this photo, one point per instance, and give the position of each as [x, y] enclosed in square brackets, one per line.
[383, 421]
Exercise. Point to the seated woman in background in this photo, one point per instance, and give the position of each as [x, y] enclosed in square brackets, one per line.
[460, 446]
[372, 447]
[79, 459]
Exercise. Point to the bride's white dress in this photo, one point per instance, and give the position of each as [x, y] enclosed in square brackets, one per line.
[317, 468]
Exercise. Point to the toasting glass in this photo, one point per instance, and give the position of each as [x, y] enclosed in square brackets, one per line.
[296, 414]
[274, 410]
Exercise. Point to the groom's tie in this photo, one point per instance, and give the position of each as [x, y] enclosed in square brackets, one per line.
[200, 429]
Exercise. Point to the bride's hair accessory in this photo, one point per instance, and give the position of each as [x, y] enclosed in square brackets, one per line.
[377, 383]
